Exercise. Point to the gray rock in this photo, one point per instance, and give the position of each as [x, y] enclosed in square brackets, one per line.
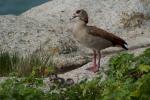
[128, 19]
[81, 73]
[108, 14]
[26, 35]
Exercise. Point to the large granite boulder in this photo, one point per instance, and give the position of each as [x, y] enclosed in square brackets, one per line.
[129, 19]
[26, 36]
[112, 15]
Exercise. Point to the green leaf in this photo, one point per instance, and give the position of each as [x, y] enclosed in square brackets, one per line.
[135, 93]
[144, 68]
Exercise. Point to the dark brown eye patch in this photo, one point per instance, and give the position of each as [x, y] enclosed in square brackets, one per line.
[78, 11]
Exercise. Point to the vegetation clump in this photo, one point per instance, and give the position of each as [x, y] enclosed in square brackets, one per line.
[128, 78]
[12, 64]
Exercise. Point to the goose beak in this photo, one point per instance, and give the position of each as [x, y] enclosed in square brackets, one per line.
[74, 16]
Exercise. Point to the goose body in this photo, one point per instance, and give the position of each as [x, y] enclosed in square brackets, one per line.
[93, 37]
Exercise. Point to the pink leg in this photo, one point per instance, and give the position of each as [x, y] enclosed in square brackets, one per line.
[99, 58]
[94, 67]
[94, 58]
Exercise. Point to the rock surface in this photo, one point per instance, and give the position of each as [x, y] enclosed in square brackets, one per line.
[46, 28]
[81, 73]
[112, 15]
[27, 35]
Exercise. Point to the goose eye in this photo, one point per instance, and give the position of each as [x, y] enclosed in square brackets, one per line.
[78, 11]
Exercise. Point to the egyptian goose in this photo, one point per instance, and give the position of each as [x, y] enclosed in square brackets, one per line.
[93, 37]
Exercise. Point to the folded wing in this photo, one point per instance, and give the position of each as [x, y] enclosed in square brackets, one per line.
[116, 41]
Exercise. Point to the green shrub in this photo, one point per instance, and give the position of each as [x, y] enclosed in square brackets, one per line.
[128, 79]
[14, 89]
[120, 65]
[12, 64]
[7, 62]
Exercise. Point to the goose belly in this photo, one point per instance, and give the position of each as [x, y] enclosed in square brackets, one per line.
[94, 42]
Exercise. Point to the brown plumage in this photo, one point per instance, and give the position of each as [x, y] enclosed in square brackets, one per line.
[93, 37]
[116, 41]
